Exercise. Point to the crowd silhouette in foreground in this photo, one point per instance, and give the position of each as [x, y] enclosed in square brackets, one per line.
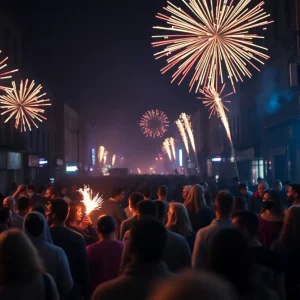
[182, 240]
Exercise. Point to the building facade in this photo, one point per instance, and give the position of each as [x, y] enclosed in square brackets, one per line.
[264, 113]
[12, 142]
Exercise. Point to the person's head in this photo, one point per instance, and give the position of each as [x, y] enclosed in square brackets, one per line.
[178, 219]
[75, 214]
[58, 212]
[185, 191]
[31, 190]
[23, 205]
[74, 189]
[23, 194]
[106, 227]
[190, 285]
[34, 224]
[51, 193]
[293, 193]
[196, 199]
[204, 184]
[162, 192]
[161, 211]
[259, 180]
[290, 234]
[230, 257]
[247, 222]
[271, 202]
[118, 194]
[262, 187]
[239, 204]
[40, 190]
[236, 181]
[17, 253]
[243, 188]
[146, 192]
[278, 185]
[148, 240]
[39, 208]
[64, 191]
[147, 209]
[223, 205]
[286, 184]
[134, 199]
[10, 203]
[5, 218]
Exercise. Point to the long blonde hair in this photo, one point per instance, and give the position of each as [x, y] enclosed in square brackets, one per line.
[196, 199]
[178, 219]
[19, 260]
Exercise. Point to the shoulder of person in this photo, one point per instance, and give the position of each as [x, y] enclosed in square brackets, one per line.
[109, 290]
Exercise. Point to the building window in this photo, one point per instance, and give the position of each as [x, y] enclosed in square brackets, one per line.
[257, 170]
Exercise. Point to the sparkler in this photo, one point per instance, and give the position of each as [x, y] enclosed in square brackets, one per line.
[187, 124]
[172, 144]
[214, 100]
[154, 123]
[167, 149]
[113, 160]
[213, 41]
[183, 135]
[25, 105]
[91, 202]
[209, 100]
[101, 153]
[5, 75]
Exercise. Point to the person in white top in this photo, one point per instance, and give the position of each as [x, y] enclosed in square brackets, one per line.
[223, 207]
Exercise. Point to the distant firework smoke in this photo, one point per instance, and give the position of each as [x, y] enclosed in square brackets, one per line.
[24, 104]
[101, 153]
[211, 40]
[172, 144]
[209, 100]
[113, 160]
[6, 74]
[182, 132]
[187, 124]
[154, 123]
[167, 149]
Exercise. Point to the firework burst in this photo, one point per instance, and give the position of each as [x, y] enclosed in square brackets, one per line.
[5, 74]
[213, 41]
[25, 105]
[113, 160]
[213, 100]
[91, 201]
[154, 123]
[166, 148]
[172, 144]
[182, 132]
[101, 153]
[186, 120]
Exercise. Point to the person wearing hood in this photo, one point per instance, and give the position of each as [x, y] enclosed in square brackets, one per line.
[54, 258]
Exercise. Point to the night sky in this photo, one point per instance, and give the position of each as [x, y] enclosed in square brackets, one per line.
[97, 57]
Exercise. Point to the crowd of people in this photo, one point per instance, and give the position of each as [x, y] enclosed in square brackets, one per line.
[230, 244]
